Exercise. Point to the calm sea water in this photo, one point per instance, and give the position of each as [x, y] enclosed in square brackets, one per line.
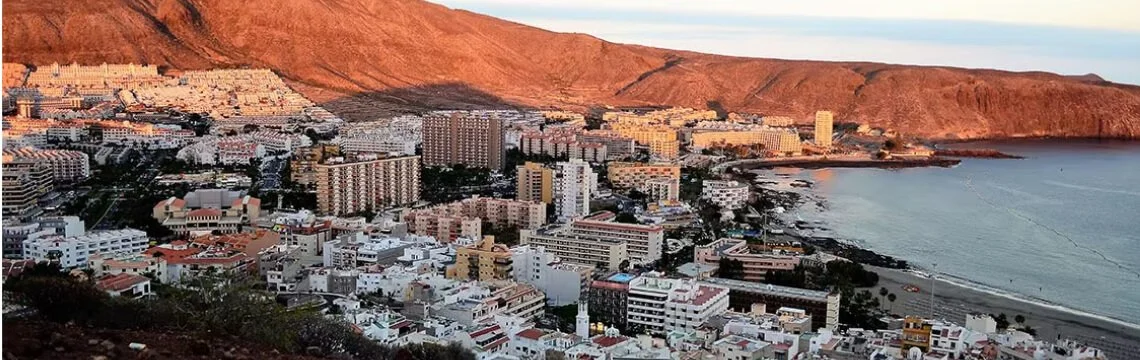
[1062, 225]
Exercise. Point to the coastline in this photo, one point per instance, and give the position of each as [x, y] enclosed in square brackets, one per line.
[1118, 338]
[745, 165]
[953, 300]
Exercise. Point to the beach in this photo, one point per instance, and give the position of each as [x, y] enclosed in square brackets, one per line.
[953, 302]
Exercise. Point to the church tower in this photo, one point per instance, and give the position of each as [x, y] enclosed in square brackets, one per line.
[582, 323]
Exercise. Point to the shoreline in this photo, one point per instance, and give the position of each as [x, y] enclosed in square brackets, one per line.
[824, 163]
[1120, 339]
[1117, 337]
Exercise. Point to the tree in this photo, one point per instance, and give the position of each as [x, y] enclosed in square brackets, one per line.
[627, 218]
[893, 145]
[883, 292]
[1019, 319]
[1001, 320]
[891, 297]
[730, 269]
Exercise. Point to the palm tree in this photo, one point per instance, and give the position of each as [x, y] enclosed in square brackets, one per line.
[883, 292]
[1020, 319]
[891, 297]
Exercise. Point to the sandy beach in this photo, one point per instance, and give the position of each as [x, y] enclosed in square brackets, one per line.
[953, 302]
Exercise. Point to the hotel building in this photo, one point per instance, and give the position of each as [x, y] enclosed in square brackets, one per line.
[25, 182]
[208, 210]
[662, 189]
[821, 305]
[367, 183]
[72, 252]
[645, 241]
[535, 183]
[67, 166]
[756, 264]
[823, 128]
[575, 183]
[660, 305]
[600, 243]
[585, 250]
[472, 139]
[727, 194]
[465, 217]
[634, 175]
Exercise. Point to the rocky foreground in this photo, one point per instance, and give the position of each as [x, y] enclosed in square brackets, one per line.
[25, 339]
[365, 58]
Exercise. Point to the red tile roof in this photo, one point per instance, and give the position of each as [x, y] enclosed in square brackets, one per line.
[119, 282]
[484, 331]
[532, 333]
[607, 341]
[172, 255]
[204, 212]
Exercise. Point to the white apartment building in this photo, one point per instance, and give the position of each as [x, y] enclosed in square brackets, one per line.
[72, 252]
[346, 186]
[662, 189]
[275, 141]
[603, 253]
[67, 166]
[374, 143]
[727, 194]
[563, 283]
[573, 186]
[646, 242]
[660, 305]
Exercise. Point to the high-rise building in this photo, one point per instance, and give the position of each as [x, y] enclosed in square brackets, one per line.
[661, 305]
[25, 182]
[662, 189]
[576, 181]
[303, 168]
[535, 183]
[823, 124]
[475, 140]
[634, 175]
[68, 166]
[367, 183]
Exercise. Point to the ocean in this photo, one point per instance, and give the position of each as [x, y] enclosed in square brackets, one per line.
[1061, 226]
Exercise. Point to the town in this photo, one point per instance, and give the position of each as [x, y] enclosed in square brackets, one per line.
[620, 233]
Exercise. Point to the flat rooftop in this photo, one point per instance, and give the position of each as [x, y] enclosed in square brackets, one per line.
[620, 277]
[769, 289]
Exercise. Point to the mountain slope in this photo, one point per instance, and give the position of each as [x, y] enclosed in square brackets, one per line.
[364, 56]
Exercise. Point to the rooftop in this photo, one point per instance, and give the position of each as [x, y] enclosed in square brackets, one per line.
[120, 282]
[769, 289]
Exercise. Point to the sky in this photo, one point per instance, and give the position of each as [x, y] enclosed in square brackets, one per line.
[1063, 36]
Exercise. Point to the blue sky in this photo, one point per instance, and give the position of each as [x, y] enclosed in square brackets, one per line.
[1063, 36]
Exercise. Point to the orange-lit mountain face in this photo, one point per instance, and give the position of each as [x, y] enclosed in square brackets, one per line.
[365, 58]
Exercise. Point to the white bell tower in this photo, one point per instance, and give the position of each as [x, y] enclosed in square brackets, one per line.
[582, 323]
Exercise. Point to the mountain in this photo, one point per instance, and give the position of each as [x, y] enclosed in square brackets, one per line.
[363, 58]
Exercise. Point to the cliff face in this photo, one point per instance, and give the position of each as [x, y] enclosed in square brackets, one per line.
[363, 57]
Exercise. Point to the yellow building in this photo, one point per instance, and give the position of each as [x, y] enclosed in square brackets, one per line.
[645, 134]
[634, 175]
[823, 128]
[916, 333]
[535, 183]
[664, 149]
[484, 261]
[303, 166]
